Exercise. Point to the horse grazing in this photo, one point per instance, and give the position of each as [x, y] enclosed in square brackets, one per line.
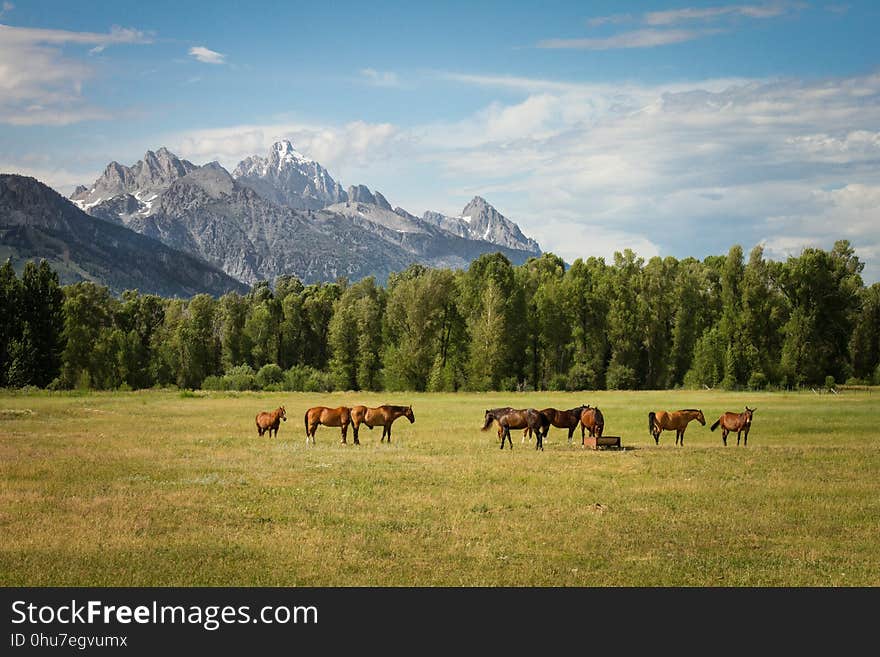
[676, 420]
[384, 415]
[739, 422]
[593, 421]
[270, 421]
[329, 417]
[560, 419]
[512, 418]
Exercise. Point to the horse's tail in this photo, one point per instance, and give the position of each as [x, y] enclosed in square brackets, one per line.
[488, 422]
[600, 422]
[652, 418]
[306, 422]
[715, 426]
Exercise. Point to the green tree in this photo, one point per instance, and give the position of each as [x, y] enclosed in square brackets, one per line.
[41, 309]
[586, 289]
[865, 340]
[355, 336]
[822, 289]
[625, 326]
[10, 319]
[235, 345]
[88, 312]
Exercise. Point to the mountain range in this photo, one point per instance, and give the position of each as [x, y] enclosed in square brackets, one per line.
[284, 214]
[37, 222]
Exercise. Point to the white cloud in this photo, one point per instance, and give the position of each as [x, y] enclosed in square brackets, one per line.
[355, 144]
[647, 38]
[41, 86]
[613, 19]
[687, 168]
[207, 56]
[676, 16]
[6, 8]
[380, 78]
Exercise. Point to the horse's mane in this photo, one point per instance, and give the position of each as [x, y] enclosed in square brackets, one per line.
[689, 410]
[395, 408]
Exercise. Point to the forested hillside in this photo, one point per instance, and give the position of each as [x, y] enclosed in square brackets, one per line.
[727, 321]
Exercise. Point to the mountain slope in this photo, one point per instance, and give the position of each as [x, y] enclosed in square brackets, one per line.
[37, 222]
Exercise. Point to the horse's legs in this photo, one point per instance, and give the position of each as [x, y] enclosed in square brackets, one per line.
[737, 437]
[526, 432]
[724, 435]
[746, 437]
[570, 432]
[539, 444]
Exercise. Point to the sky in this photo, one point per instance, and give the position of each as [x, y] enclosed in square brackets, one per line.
[670, 128]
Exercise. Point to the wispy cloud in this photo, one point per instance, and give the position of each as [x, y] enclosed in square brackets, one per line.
[5, 8]
[40, 85]
[677, 16]
[380, 78]
[647, 38]
[613, 19]
[207, 56]
[662, 28]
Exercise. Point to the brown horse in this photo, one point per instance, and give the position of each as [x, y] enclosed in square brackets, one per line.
[381, 415]
[593, 421]
[270, 421]
[329, 417]
[560, 419]
[512, 418]
[739, 422]
[676, 420]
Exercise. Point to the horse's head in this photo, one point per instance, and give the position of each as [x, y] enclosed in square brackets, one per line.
[749, 412]
[487, 420]
[282, 414]
[700, 418]
[409, 414]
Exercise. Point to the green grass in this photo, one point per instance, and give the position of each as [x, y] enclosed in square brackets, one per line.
[158, 489]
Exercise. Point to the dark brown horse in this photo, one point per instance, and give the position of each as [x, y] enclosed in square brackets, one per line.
[513, 418]
[329, 417]
[676, 420]
[269, 421]
[381, 415]
[592, 421]
[739, 422]
[560, 419]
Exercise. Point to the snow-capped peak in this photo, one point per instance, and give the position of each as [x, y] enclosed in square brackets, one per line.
[284, 152]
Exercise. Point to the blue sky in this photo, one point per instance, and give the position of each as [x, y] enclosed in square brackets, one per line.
[672, 128]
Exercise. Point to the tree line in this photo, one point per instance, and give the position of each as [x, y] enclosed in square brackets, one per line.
[724, 321]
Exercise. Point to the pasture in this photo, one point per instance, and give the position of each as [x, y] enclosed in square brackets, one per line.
[162, 488]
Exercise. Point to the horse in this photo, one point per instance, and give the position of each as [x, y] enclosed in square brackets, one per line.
[269, 421]
[593, 421]
[739, 422]
[384, 415]
[511, 418]
[677, 420]
[329, 417]
[560, 419]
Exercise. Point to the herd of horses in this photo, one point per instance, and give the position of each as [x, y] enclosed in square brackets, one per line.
[532, 421]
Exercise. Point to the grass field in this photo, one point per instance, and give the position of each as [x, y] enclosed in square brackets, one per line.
[159, 488]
